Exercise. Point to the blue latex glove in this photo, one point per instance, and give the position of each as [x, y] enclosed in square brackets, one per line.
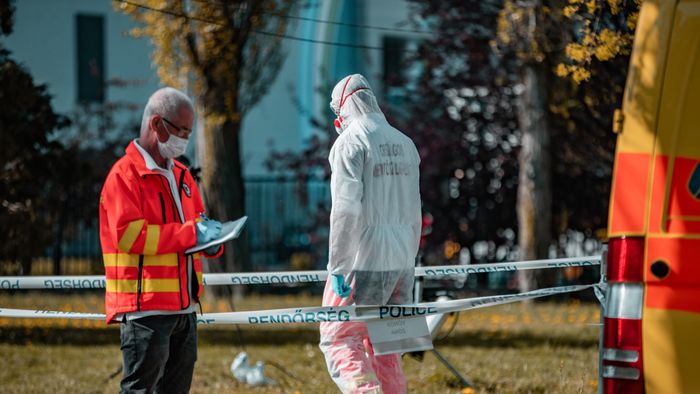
[207, 230]
[340, 287]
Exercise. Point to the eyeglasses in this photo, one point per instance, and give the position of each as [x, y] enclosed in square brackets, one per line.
[181, 132]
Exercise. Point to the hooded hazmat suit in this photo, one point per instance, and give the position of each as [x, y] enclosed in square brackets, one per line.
[375, 229]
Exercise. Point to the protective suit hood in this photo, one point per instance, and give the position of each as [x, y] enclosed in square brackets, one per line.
[352, 97]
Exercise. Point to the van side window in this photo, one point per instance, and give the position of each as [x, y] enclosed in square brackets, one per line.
[694, 182]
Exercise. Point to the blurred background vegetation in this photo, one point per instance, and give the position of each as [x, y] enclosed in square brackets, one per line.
[509, 102]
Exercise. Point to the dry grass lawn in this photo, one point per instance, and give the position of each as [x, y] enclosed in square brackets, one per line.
[515, 348]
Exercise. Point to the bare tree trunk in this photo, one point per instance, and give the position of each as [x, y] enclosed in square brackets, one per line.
[58, 242]
[57, 250]
[534, 187]
[224, 191]
[25, 265]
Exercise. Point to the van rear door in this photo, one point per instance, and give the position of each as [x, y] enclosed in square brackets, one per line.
[671, 312]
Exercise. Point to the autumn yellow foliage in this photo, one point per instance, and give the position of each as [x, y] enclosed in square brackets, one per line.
[213, 49]
[597, 43]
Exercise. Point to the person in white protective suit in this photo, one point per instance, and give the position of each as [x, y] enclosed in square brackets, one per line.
[375, 227]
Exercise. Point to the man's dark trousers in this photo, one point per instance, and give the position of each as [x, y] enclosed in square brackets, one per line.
[159, 353]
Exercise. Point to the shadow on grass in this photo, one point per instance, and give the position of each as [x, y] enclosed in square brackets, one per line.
[517, 339]
[110, 336]
[59, 336]
[292, 335]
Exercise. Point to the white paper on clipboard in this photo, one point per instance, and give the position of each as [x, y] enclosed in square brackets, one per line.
[229, 231]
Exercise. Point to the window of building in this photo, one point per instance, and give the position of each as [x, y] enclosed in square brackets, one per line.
[400, 74]
[90, 58]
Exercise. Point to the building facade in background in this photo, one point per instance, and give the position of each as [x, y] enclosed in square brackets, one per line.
[81, 49]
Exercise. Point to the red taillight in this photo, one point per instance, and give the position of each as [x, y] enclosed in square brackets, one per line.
[625, 259]
[623, 386]
[622, 334]
[622, 367]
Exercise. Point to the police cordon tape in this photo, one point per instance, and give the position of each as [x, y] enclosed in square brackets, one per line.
[327, 314]
[287, 277]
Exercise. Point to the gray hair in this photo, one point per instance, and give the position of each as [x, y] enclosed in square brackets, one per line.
[164, 102]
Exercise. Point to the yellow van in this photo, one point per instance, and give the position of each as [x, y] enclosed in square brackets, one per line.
[652, 317]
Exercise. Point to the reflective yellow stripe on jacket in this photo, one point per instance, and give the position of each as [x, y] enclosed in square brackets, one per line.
[147, 285]
[133, 229]
[130, 234]
[132, 260]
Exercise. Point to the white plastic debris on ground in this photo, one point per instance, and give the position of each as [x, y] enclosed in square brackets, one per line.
[245, 373]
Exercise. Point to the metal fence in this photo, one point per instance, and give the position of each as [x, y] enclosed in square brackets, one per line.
[287, 229]
[281, 229]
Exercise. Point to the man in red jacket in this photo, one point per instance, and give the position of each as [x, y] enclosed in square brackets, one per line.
[151, 211]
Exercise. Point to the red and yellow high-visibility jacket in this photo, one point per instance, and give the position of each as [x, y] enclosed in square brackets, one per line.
[143, 239]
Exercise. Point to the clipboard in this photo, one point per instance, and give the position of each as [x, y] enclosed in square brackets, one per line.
[229, 231]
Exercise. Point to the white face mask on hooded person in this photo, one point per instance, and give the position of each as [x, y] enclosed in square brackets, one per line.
[339, 125]
[338, 121]
[173, 147]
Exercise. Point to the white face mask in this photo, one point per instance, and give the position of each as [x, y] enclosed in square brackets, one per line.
[339, 125]
[173, 147]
